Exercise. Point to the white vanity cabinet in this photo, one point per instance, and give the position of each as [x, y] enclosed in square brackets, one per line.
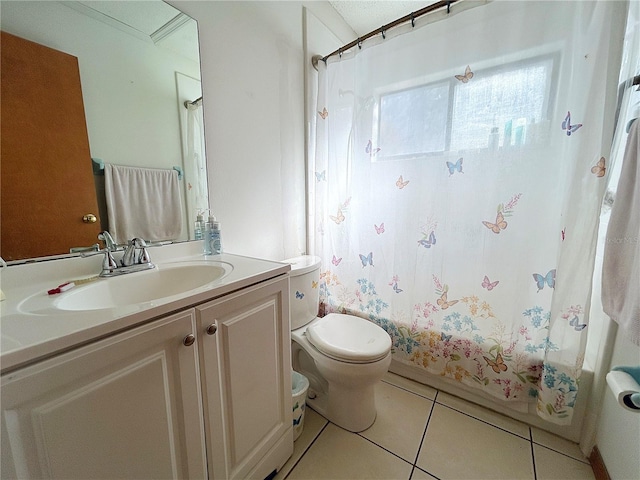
[245, 367]
[128, 406]
[202, 393]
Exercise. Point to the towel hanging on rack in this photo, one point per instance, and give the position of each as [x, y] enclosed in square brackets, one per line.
[98, 167]
[621, 263]
[143, 202]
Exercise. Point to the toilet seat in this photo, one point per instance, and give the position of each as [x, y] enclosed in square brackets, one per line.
[349, 338]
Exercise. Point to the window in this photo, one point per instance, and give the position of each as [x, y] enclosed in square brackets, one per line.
[497, 107]
[403, 129]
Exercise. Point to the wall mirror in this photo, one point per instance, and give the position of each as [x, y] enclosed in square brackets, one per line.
[139, 70]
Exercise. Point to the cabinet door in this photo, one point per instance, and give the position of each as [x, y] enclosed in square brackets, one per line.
[128, 406]
[246, 377]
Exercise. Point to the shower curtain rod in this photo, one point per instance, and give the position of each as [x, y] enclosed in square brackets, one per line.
[187, 102]
[411, 17]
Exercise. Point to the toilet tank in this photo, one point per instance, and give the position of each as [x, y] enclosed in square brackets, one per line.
[304, 281]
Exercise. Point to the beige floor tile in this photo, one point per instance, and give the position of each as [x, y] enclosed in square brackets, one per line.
[420, 475]
[338, 454]
[552, 465]
[457, 446]
[402, 417]
[313, 425]
[408, 384]
[557, 443]
[484, 414]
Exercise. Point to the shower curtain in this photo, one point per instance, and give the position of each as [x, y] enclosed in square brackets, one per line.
[459, 168]
[195, 165]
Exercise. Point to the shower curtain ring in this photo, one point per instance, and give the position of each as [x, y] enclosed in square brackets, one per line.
[383, 35]
[413, 20]
[340, 53]
[359, 44]
[448, 8]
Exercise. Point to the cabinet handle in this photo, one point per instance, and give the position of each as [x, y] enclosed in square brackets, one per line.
[212, 329]
[189, 340]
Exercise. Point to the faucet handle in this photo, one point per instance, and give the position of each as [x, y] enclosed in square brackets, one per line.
[108, 262]
[141, 245]
[144, 256]
[138, 242]
[136, 253]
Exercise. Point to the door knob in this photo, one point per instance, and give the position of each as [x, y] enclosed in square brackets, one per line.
[89, 218]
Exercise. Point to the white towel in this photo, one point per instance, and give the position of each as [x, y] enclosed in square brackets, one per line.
[143, 203]
[621, 263]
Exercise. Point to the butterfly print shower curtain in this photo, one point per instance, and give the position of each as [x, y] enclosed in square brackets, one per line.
[453, 201]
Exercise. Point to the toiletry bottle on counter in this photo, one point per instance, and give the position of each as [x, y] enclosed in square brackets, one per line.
[215, 236]
[208, 226]
[198, 231]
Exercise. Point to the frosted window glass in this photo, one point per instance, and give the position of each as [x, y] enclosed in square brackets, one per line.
[489, 101]
[425, 119]
[414, 121]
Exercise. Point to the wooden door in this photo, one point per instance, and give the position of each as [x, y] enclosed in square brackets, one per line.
[125, 407]
[46, 180]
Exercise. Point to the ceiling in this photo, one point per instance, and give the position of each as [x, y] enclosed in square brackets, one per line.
[160, 23]
[151, 21]
[364, 16]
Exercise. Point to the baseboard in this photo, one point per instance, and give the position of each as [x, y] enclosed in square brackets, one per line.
[597, 465]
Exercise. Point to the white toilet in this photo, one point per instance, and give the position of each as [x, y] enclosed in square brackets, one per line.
[343, 356]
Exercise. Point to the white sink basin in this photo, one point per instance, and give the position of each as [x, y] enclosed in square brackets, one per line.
[163, 281]
[135, 288]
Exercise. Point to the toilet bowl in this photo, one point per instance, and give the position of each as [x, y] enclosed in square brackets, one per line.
[343, 356]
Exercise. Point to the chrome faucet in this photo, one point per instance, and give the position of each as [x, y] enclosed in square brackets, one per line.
[135, 259]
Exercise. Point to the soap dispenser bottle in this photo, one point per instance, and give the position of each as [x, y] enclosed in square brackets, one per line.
[198, 230]
[215, 236]
[208, 229]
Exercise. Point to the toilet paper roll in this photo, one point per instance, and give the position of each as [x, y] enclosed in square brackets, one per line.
[623, 386]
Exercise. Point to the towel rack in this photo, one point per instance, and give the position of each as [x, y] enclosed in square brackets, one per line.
[98, 167]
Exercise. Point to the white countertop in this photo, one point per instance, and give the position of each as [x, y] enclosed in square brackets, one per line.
[27, 336]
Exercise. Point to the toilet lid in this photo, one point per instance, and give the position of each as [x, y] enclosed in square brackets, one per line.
[349, 338]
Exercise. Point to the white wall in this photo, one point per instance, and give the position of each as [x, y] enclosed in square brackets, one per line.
[618, 437]
[252, 56]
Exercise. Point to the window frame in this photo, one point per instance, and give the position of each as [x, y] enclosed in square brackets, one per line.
[549, 58]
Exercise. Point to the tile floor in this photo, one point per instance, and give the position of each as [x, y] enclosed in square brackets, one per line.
[424, 434]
